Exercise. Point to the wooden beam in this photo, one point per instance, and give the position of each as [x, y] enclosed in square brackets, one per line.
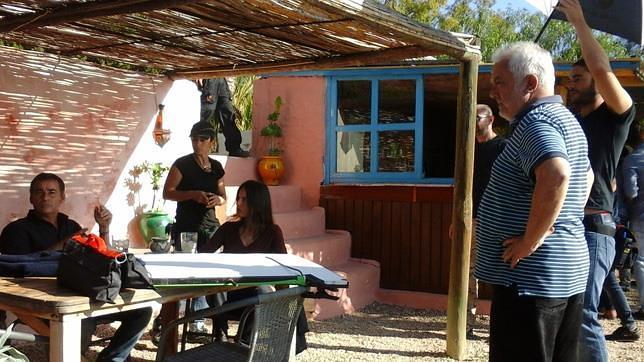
[37, 324]
[82, 11]
[353, 60]
[462, 210]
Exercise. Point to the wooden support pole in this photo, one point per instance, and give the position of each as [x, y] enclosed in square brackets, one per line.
[352, 60]
[462, 210]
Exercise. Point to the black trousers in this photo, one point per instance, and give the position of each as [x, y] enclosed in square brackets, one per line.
[527, 328]
[224, 115]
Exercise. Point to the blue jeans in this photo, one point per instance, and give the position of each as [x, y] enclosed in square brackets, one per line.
[601, 251]
[638, 231]
[133, 323]
[618, 299]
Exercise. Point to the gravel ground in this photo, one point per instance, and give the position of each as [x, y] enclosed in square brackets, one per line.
[380, 332]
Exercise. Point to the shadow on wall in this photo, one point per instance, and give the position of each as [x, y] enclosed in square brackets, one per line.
[76, 120]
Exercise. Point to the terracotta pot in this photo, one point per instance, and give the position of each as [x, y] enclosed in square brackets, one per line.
[271, 169]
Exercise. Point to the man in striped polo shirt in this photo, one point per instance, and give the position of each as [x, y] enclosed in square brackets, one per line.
[530, 237]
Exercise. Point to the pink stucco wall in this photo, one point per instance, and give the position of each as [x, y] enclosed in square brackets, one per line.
[302, 120]
[74, 119]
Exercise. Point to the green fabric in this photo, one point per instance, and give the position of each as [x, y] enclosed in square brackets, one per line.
[299, 280]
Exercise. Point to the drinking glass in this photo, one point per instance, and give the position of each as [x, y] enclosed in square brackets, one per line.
[189, 242]
[121, 244]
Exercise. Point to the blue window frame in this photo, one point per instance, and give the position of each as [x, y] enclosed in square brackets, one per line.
[375, 129]
[370, 138]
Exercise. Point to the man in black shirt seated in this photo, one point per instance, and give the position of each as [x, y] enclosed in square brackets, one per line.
[46, 228]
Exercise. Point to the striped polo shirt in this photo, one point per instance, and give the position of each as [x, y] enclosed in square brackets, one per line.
[559, 267]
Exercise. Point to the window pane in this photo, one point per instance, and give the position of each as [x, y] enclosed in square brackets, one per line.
[353, 152]
[354, 102]
[397, 101]
[396, 151]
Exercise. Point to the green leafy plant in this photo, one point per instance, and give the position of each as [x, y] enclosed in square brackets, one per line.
[243, 101]
[273, 130]
[154, 173]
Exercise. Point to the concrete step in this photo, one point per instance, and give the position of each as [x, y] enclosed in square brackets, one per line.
[364, 282]
[285, 198]
[329, 249]
[237, 169]
[302, 223]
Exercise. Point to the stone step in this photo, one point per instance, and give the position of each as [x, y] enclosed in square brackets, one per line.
[237, 169]
[301, 223]
[364, 282]
[286, 198]
[329, 249]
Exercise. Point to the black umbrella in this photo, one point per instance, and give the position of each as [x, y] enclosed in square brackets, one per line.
[618, 17]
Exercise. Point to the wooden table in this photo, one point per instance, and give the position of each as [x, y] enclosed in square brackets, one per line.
[35, 299]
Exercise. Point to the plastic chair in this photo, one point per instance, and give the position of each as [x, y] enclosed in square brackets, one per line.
[273, 326]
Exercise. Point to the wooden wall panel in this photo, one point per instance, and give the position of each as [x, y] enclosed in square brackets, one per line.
[405, 228]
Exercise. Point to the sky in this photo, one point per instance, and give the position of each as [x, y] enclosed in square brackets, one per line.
[514, 4]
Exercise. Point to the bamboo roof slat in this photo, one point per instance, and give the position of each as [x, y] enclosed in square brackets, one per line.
[182, 37]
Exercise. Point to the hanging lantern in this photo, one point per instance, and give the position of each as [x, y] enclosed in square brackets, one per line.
[161, 136]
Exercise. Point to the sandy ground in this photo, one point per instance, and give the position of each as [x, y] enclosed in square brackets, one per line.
[380, 332]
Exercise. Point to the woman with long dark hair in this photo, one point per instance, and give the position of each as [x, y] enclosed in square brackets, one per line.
[251, 231]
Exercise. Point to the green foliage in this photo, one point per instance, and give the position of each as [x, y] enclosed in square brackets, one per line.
[496, 28]
[155, 172]
[420, 10]
[273, 130]
[243, 101]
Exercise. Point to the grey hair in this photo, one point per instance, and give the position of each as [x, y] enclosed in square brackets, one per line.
[528, 58]
[485, 108]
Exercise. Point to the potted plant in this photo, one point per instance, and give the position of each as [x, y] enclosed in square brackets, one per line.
[152, 220]
[271, 166]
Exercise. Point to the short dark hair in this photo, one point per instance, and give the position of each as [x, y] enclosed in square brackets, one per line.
[203, 129]
[580, 63]
[46, 176]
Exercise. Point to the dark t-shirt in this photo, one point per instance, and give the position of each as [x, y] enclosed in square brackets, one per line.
[31, 234]
[606, 133]
[484, 156]
[271, 241]
[191, 215]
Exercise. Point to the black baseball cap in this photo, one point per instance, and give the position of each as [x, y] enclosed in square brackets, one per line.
[202, 129]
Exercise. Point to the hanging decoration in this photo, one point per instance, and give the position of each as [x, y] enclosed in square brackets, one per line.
[161, 135]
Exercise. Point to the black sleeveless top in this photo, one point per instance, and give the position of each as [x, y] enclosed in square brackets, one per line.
[191, 215]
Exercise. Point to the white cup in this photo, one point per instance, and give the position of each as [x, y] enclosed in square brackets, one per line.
[189, 242]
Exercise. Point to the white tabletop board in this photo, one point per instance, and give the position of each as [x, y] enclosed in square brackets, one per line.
[220, 268]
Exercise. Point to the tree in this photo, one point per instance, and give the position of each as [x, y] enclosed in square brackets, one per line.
[498, 27]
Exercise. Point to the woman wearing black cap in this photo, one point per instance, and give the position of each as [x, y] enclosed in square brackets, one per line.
[196, 183]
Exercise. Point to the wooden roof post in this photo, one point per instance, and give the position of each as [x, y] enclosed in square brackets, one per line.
[462, 209]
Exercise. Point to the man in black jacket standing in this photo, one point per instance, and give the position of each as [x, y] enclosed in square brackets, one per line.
[216, 102]
[605, 112]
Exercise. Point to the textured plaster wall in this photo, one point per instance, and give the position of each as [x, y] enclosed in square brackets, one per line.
[302, 120]
[79, 121]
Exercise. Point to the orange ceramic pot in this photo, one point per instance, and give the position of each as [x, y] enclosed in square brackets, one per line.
[271, 169]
